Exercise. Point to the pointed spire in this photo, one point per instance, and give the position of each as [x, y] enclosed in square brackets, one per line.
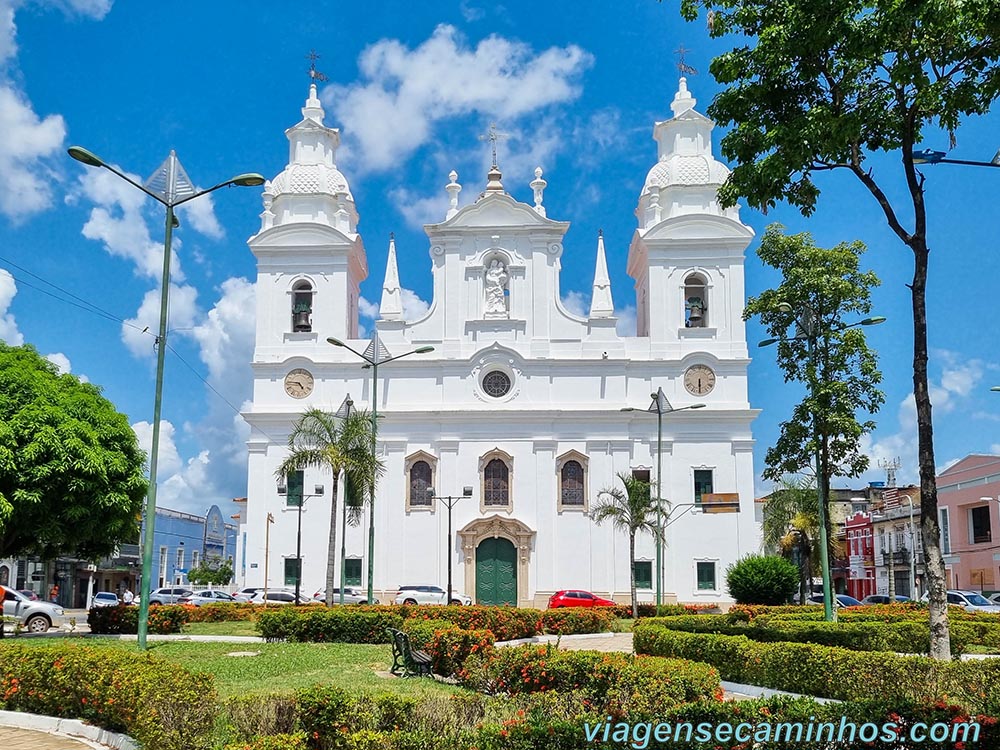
[601, 304]
[313, 109]
[391, 307]
[683, 101]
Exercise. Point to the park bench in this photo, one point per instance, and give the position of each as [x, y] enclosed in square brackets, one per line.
[405, 659]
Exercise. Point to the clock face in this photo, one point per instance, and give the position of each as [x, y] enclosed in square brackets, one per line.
[699, 380]
[299, 383]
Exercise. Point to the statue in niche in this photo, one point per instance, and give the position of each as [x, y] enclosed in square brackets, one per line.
[496, 285]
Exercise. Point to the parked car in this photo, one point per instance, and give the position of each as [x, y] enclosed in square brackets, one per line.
[105, 599]
[197, 598]
[351, 596]
[245, 595]
[881, 599]
[29, 594]
[970, 601]
[168, 595]
[840, 600]
[278, 597]
[995, 598]
[577, 598]
[423, 594]
[35, 616]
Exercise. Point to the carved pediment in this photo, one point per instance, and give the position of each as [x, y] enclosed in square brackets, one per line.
[698, 227]
[498, 210]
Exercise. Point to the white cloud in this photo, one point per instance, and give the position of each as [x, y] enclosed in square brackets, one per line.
[28, 142]
[93, 8]
[413, 308]
[61, 361]
[367, 309]
[419, 211]
[405, 92]
[626, 321]
[201, 214]
[8, 325]
[576, 303]
[470, 12]
[182, 314]
[168, 460]
[226, 336]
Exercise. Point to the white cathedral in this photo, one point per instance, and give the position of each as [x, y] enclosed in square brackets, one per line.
[520, 400]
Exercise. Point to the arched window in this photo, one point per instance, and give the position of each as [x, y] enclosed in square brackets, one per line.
[302, 306]
[421, 484]
[496, 483]
[571, 484]
[695, 302]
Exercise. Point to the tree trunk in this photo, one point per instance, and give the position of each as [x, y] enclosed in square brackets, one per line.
[631, 557]
[933, 562]
[331, 552]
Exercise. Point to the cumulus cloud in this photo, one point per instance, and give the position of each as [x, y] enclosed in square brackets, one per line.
[61, 361]
[168, 461]
[200, 213]
[418, 211]
[403, 93]
[139, 333]
[626, 321]
[8, 325]
[576, 303]
[414, 307]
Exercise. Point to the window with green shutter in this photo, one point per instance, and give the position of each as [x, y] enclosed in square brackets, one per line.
[702, 484]
[291, 570]
[352, 572]
[643, 574]
[296, 483]
[706, 576]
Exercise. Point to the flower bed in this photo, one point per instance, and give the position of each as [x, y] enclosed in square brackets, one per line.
[831, 672]
[160, 704]
[223, 612]
[124, 619]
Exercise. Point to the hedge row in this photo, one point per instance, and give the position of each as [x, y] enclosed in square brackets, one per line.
[831, 672]
[907, 637]
[624, 611]
[123, 619]
[368, 624]
[867, 613]
[160, 704]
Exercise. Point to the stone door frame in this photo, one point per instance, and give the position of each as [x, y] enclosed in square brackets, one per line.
[494, 526]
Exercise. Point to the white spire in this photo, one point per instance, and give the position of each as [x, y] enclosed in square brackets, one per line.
[314, 109]
[453, 189]
[391, 307]
[538, 185]
[683, 101]
[601, 304]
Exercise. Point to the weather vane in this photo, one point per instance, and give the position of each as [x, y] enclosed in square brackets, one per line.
[312, 57]
[493, 136]
[682, 66]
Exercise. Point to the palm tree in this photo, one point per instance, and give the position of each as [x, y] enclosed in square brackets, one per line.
[791, 527]
[632, 509]
[321, 440]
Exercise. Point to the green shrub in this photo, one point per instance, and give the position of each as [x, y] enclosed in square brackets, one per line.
[162, 705]
[296, 741]
[568, 620]
[256, 715]
[330, 715]
[337, 624]
[163, 620]
[830, 672]
[223, 612]
[762, 579]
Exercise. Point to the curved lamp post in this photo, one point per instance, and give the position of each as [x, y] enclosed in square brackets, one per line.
[374, 355]
[659, 407]
[930, 156]
[808, 327]
[168, 185]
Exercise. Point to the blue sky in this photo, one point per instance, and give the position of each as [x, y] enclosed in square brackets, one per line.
[576, 87]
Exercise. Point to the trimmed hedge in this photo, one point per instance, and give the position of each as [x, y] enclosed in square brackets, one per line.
[906, 637]
[448, 644]
[124, 619]
[338, 624]
[624, 611]
[162, 705]
[570, 620]
[223, 612]
[831, 672]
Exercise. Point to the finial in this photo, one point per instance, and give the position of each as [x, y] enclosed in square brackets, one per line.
[538, 185]
[314, 74]
[682, 67]
[453, 189]
[683, 101]
[493, 136]
[600, 232]
[392, 236]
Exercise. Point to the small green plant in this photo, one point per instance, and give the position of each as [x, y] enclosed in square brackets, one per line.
[762, 579]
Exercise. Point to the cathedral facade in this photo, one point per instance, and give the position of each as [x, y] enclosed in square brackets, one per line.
[515, 405]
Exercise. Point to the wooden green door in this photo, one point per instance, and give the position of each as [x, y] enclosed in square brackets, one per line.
[496, 572]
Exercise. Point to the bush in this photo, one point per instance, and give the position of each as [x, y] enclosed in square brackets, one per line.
[762, 579]
[123, 619]
[254, 715]
[339, 624]
[565, 621]
[160, 704]
[223, 612]
[831, 672]
[296, 741]
[330, 715]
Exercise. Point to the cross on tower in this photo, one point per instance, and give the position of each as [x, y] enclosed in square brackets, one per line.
[493, 136]
[682, 66]
[314, 74]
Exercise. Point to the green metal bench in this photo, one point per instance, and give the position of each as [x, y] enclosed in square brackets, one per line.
[407, 662]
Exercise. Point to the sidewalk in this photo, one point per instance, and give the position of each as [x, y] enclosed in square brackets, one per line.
[12, 738]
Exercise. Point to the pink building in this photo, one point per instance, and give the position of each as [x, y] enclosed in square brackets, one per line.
[969, 514]
[860, 554]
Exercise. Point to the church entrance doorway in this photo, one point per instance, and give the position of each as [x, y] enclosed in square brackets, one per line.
[496, 572]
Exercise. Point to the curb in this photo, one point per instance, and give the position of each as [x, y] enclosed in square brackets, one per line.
[554, 638]
[72, 728]
[756, 691]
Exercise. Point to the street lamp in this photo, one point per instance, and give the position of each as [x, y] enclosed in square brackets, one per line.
[168, 185]
[300, 500]
[808, 324]
[929, 156]
[374, 355]
[996, 388]
[659, 407]
[913, 551]
[450, 501]
[344, 412]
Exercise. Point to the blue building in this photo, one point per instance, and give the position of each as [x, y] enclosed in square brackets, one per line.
[182, 541]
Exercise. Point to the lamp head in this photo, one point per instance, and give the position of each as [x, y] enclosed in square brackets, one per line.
[927, 156]
[467, 491]
[784, 307]
[768, 342]
[632, 408]
[873, 321]
[424, 350]
[996, 388]
[996, 159]
[697, 406]
[87, 157]
[335, 342]
[248, 179]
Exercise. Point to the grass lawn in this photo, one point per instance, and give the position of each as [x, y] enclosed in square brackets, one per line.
[220, 628]
[280, 667]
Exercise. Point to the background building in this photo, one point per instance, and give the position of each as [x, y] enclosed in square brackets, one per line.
[968, 505]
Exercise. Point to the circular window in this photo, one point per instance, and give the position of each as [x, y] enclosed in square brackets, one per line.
[496, 384]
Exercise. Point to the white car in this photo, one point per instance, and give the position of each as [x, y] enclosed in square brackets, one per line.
[423, 594]
[206, 596]
[970, 601]
[35, 616]
[277, 596]
[105, 599]
[351, 596]
[245, 595]
[995, 598]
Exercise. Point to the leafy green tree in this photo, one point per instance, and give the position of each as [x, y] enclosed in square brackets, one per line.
[71, 470]
[761, 579]
[820, 85]
[632, 509]
[321, 440]
[214, 571]
[790, 527]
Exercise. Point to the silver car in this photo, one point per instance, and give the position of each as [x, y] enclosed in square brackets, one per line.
[168, 595]
[36, 617]
[198, 598]
[351, 596]
[429, 595]
[105, 599]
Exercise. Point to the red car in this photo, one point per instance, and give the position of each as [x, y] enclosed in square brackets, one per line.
[577, 598]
